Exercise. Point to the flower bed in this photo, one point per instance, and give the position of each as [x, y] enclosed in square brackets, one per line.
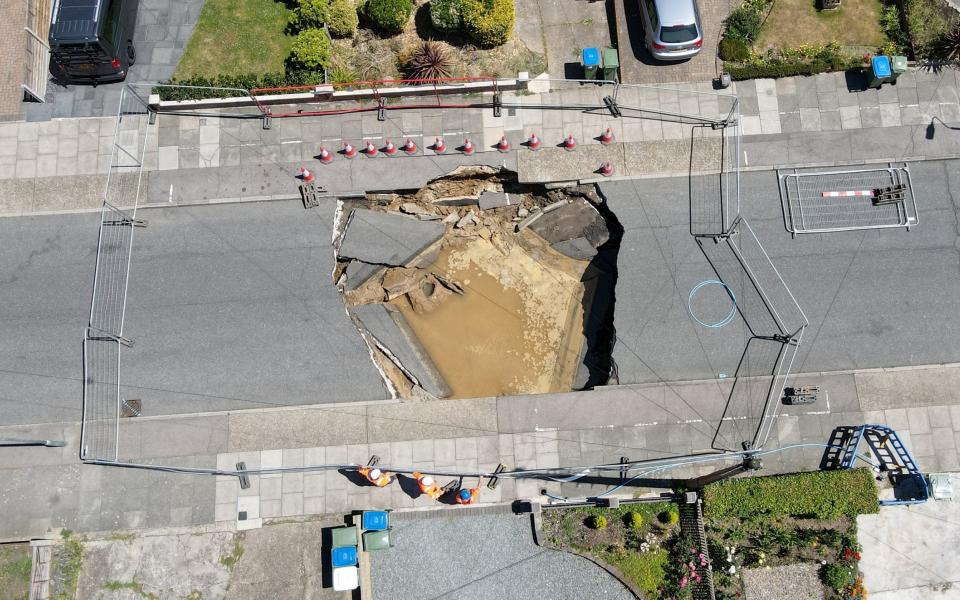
[639, 540]
[805, 518]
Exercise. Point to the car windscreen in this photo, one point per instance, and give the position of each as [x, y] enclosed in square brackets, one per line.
[678, 34]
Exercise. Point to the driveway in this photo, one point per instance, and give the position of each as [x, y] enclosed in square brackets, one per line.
[465, 554]
[909, 552]
[163, 29]
[638, 66]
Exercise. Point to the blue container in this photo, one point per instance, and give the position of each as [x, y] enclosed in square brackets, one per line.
[590, 59]
[881, 66]
[344, 556]
[374, 520]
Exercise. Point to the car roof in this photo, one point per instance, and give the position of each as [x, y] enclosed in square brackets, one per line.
[75, 19]
[676, 12]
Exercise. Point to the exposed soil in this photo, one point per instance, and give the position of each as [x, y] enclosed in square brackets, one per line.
[498, 311]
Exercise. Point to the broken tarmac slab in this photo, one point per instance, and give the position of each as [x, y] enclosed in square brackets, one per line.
[389, 239]
[388, 326]
[489, 200]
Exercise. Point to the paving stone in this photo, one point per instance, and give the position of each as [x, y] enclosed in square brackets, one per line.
[830, 120]
[921, 444]
[466, 448]
[942, 438]
[870, 117]
[810, 119]
[868, 97]
[890, 115]
[850, 117]
[444, 453]
[919, 421]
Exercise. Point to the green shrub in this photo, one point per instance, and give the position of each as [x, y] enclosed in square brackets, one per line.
[342, 18]
[311, 13]
[890, 25]
[928, 25]
[598, 522]
[838, 576]
[633, 520]
[734, 49]
[489, 23]
[446, 15]
[743, 24]
[823, 494]
[389, 16]
[311, 49]
[671, 516]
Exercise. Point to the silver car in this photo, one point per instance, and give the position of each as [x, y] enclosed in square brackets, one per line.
[672, 27]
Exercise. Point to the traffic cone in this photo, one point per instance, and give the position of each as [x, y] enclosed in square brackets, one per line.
[348, 150]
[534, 142]
[606, 169]
[570, 143]
[503, 145]
[370, 149]
[325, 157]
[306, 175]
[606, 137]
[468, 147]
[438, 146]
[409, 147]
[390, 149]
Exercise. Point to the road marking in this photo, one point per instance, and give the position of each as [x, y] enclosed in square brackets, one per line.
[170, 196]
[292, 142]
[746, 160]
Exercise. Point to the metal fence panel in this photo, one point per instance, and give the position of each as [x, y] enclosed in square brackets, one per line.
[101, 398]
[828, 201]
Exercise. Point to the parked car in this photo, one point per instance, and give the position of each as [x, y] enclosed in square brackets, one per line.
[672, 28]
[91, 41]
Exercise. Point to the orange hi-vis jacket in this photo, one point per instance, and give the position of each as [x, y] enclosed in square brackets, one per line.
[427, 485]
[382, 479]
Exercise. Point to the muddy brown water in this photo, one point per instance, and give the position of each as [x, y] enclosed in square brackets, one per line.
[517, 329]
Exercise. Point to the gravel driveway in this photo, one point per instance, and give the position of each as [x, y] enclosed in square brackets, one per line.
[479, 556]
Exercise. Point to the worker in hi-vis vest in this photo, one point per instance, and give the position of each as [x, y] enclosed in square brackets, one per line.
[376, 476]
[468, 495]
[428, 485]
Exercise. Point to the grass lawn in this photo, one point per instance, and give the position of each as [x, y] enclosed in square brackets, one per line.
[235, 37]
[794, 23]
[14, 571]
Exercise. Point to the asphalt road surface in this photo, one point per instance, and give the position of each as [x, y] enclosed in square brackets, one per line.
[230, 307]
[877, 298]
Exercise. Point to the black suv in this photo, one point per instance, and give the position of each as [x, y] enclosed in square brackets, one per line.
[91, 41]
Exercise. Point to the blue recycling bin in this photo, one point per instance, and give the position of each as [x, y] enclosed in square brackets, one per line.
[344, 556]
[590, 59]
[880, 71]
[374, 520]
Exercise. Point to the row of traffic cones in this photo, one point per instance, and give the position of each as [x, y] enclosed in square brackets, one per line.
[439, 146]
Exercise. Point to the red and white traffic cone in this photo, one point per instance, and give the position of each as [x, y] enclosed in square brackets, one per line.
[438, 146]
[503, 145]
[606, 137]
[390, 149]
[534, 142]
[348, 150]
[306, 175]
[409, 147]
[606, 169]
[370, 150]
[569, 144]
[325, 157]
[468, 148]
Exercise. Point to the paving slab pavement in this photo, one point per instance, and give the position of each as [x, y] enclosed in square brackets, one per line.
[908, 550]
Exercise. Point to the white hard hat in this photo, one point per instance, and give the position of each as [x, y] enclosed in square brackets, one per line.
[426, 480]
[375, 473]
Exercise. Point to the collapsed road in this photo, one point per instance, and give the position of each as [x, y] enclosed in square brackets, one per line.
[477, 286]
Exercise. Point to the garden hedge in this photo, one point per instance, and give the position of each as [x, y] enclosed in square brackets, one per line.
[389, 16]
[822, 494]
[342, 20]
[446, 15]
[489, 23]
[311, 49]
[311, 13]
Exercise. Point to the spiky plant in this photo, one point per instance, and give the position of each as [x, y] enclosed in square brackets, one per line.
[949, 46]
[429, 61]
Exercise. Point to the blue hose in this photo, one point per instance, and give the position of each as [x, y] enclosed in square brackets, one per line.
[727, 319]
